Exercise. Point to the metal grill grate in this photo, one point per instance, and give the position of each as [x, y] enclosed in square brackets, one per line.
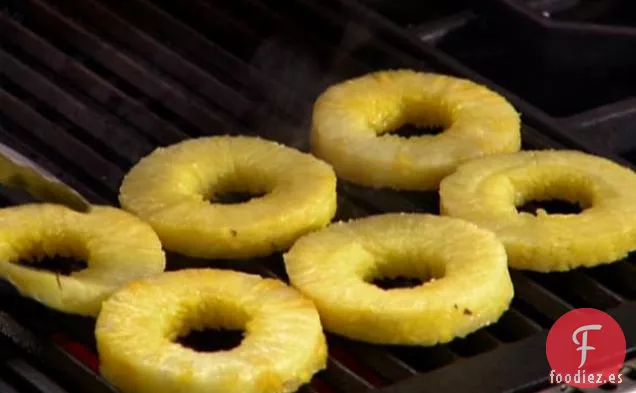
[88, 87]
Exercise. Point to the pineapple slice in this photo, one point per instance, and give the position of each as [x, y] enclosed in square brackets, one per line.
[283, 346]
[171, 189]
[469, 286]
[487, 192]
[352, 122]
[117, 246]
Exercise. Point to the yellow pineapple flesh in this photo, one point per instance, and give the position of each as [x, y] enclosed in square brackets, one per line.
[353, 121]
[117, 246]
[469, 286]
[282, 349]
[172, 187]
[487, 192]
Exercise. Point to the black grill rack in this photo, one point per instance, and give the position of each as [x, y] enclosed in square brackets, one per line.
[87, 87]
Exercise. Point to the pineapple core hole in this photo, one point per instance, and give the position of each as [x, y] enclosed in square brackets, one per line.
[550, 206]
[230, 198]
[394, 276]
[211, 340]
[397, 282]
[413, 130]
[542, 190]
[230, 191]
[57, 264]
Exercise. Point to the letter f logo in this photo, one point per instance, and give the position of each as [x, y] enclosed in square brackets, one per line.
[583, 344]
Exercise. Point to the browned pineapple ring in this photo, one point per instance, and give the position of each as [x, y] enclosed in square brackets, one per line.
[117, 246]
[171, 189]
[352, 123]
[283, 345]
[487, 192]
[470, 285]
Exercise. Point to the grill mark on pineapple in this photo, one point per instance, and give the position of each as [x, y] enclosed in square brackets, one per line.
[466, 311]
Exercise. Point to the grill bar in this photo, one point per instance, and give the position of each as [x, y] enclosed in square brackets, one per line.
[54, 359]
[344, 379]
[262, 117]
[4, 387]
[621, 277]
[231, 30]
[32, 377]
[608, 125]
[91, 84]
[583, 290]
[159, 89]
[550, 305]
[497, 371]
[382, 362]
[199, 13]
[8, 137]
[55, 138]
[514, 326]
[103, 126]
[114, 27]
[193, 44]
[399, 38]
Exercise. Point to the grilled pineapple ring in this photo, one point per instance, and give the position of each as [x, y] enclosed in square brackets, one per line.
[487, 191]
[117, 246]
[284, 345]
[471, 287]
[171, 189]
[352, 122]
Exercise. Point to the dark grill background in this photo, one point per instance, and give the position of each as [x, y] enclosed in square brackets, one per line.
[88, 87]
